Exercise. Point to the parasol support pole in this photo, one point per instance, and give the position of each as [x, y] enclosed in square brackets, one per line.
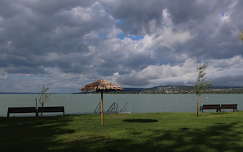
[102, 110]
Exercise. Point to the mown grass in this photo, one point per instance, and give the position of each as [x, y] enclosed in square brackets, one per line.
[163, 132]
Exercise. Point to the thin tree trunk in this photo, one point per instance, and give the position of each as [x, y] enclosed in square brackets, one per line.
[36, 106]
[42, 104]
[197, 106]
[36, 103]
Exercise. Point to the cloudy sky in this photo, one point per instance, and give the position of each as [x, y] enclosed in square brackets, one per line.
[65, 44]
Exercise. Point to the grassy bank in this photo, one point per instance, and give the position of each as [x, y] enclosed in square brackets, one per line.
[180, 132]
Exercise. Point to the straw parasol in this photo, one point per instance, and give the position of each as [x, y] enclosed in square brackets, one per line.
[101, 86]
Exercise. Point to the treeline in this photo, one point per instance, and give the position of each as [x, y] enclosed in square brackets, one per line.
[175, 90]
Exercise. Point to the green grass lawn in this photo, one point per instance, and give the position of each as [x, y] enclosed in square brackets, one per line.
[162, 132]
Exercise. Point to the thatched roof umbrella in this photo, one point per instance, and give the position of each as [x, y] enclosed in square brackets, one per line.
[101, 86]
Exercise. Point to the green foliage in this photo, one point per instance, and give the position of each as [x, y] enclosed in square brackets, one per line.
[202, 84]
[43, 97]
[241, 35]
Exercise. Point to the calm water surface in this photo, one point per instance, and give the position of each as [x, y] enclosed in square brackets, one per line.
[136, 103]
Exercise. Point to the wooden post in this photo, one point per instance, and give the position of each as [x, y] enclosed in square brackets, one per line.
[198, 104]
[36, 106]
[197, 107]
[102, 109]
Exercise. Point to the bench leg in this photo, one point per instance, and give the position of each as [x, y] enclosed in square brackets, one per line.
[8, 115]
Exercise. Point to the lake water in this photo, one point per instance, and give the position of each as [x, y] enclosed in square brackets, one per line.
[136, 103]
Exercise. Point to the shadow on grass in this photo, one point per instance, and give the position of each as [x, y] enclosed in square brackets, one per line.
[140, 120]
[41, 136]
[216, 138]
[31, 134]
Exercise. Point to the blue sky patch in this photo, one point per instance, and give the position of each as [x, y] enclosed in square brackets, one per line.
[135, 37]
[122, 36]
[119, 21]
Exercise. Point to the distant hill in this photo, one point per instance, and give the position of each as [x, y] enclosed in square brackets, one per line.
[167, 89]
[158, 89]
[31, 93]
[124, 90]
[190, 89]
[18, 93]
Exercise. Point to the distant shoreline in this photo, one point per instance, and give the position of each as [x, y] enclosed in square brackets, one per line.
[155, 90]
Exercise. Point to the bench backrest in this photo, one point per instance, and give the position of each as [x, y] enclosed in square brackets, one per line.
[212, 106]
[228, 106]
[22, 110]
[51, 109]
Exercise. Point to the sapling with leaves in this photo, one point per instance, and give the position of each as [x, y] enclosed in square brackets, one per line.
[42, 98]
[241, 35]
[201, 84]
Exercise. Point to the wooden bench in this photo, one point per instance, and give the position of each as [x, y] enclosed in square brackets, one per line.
[211, 106]
[229, 106]
[22, 110]
[51, 109]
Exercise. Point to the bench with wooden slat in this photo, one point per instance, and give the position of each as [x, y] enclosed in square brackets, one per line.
[51, 109]
[21, 110]
[229, 106]
[211, 106]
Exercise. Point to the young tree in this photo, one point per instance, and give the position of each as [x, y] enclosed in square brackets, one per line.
[42, 99]
[201, 85]
[241, 35]
[43, 96]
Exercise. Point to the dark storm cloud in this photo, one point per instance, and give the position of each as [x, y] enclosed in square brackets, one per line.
[137, 14]
[30, 30]
[203, 19]
[82, 37]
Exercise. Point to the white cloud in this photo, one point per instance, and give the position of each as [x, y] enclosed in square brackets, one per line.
[167, 34]
[160, 36]
[226, 15]
[81, 13]
[3, 74]
[69, 38]
[164, 74]
[168, 37]
[231, 67]
[225, 18]
[88, 14]
[166, 18]
[184, 73]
